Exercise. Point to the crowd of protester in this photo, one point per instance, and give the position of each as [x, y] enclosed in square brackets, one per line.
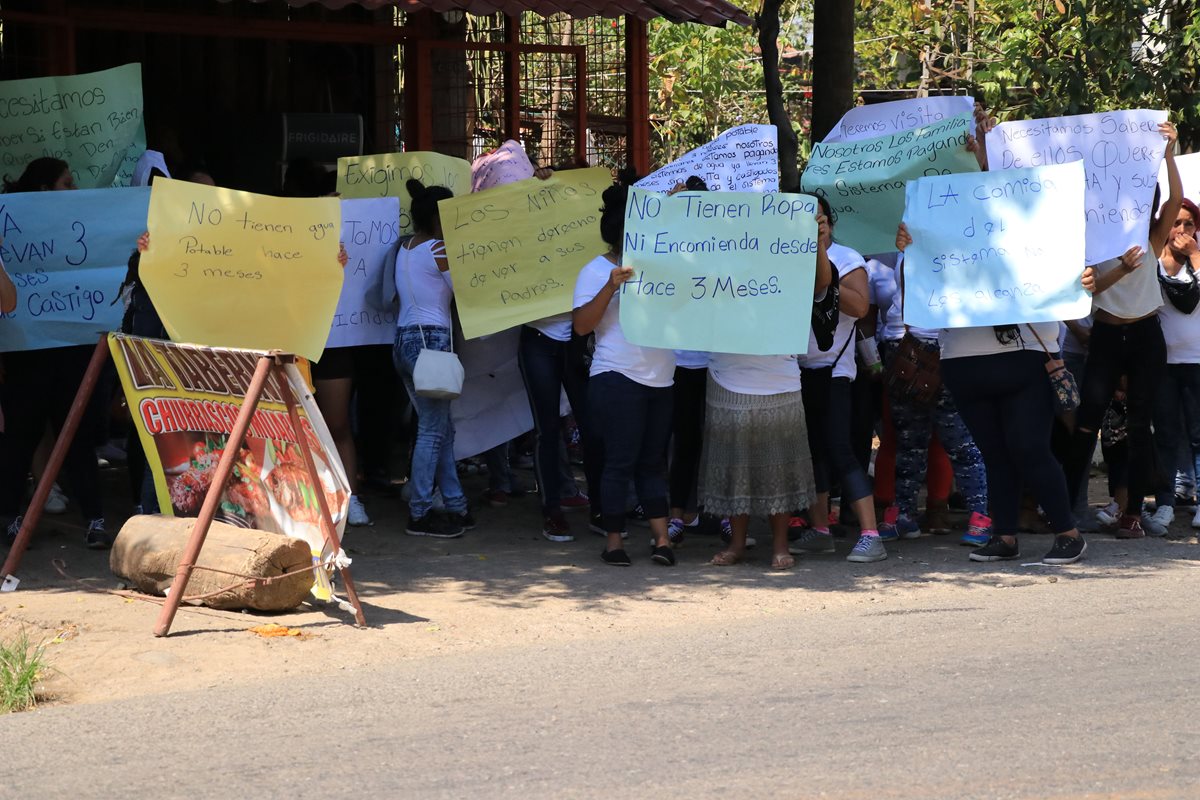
[674, 438]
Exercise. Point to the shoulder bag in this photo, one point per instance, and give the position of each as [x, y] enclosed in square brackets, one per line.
[437, 374]
[1062, 382]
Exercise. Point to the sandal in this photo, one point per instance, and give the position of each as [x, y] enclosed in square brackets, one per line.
[725, 558]
[782, 561]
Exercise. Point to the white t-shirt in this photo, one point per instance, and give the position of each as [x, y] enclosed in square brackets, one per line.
[1180, 331]
[692, 359]
[1134, 296]
[846, 261]
[755, 374]
[649, 366]
[884, 293]
[425, 291]
[557, 327]
[967, 342]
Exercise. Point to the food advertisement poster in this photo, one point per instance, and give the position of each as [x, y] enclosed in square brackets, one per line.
[184, 400]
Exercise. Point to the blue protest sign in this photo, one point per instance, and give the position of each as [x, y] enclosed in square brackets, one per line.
[370, 232]
[67, 253]
[995, 248]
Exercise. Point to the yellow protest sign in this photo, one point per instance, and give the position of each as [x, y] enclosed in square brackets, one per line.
[234, 269]
[384, 175]
[516, 250]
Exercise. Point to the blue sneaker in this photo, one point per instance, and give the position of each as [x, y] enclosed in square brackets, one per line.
[979, 530]
[896, 527]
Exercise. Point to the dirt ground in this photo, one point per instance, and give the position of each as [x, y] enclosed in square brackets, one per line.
[499, 585]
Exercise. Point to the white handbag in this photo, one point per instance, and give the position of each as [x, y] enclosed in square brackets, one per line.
[437, 374]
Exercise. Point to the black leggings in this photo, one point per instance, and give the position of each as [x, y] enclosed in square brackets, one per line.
[687, 436]
[1136, 350]
[1006, 402]
[828, 407]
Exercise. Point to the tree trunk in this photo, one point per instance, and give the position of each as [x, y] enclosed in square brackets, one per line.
[833, 64]
[789, 147]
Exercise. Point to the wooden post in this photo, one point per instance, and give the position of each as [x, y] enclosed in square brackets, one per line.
[637, 94]
[581, 108]
[66, 436]
[512, 78]
[289, 399]
[220, 478]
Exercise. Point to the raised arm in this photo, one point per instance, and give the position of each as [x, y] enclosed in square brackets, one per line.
[1160, 230]
[824, 268]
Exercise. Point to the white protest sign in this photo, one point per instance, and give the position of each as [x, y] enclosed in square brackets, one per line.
[881, 119]
[493, 407]
[1189, 173]
[370, 232]
[742, 159]
[995, 248]
[1121, 151]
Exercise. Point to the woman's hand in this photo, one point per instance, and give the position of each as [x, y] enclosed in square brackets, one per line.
[543, 173]
[903, 238]
[1088, 279]
[343, 256]
[1185, 244]
[618, 276]
[822, 225]
[1131, 259]
[143, 242]
[677, 188]
[1167, 129]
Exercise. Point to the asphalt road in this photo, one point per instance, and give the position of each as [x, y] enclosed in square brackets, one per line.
[1056, 689]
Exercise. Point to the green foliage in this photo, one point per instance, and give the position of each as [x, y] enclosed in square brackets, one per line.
[22, 665]
[704, 80]
[1040, 58]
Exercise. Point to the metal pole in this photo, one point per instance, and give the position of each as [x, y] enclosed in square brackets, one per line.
[66, 436]
[289, 399]
[211, 500]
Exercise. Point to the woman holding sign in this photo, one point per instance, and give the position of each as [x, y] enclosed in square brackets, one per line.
[423, 284]
[629, 394]
[756, 457]
[1127, 339]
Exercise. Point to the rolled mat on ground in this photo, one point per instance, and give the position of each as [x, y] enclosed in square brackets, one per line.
[148, 550]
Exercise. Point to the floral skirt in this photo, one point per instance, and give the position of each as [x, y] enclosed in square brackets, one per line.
[756, 459]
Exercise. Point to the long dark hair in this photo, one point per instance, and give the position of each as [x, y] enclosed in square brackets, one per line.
[612, 215]
[40, 175]
[424, 208]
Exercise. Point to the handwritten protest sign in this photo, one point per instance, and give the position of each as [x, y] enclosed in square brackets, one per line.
[1121, 151]
[91, 121]
[385, 175]
[235, 269]
[897, 116]
[1189, 173]
[516, 250]
[184, 400]
[728, 272]
[371, 233]
[864, 180]
[67, 253]
[995, 248]
[742, 159]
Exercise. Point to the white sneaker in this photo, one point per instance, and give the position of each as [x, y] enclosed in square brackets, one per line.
[357, 515]
[56, 501]
[1156, 524]
[1109, 515]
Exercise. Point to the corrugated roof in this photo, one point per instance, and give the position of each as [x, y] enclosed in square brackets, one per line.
[708, 12]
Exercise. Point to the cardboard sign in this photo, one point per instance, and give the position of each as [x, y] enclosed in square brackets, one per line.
[515, 250]
[67, 254]
[235, 269]
[184, 401]
[864, 180]
[1121, 152]
[742, 159]
[897, 116]
[996, 248]
[727, 272]
[386, 174]
[371, 234]
[92, 121]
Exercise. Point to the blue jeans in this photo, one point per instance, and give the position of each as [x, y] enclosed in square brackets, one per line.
[433, 451]
[1177, 426]
[634, 422]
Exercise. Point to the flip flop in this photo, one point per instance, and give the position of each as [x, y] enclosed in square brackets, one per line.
[725, 558]
[783, 561]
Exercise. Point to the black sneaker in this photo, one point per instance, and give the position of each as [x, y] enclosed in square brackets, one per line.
[1066, 550]
[664, 556]
[464, 519]
[596, 526]
[996, 550]
[97, 538]
[433, 525]
[638, 516]
[616, 558]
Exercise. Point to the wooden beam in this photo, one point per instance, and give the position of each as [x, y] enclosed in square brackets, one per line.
[637, 89]
[512, 79]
